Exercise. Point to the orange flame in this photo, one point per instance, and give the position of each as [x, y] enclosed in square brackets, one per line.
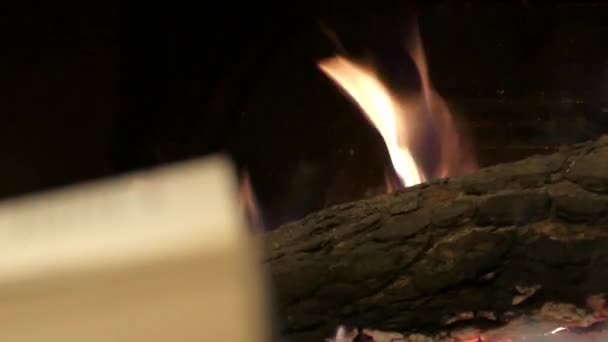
[398, 118]
[250, 203]
[381, 109]
[455, 158]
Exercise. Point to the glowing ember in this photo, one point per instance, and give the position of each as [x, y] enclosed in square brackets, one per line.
[516, 332]
[554, 322]
[343, 335]
[555, 331]
[400, 119]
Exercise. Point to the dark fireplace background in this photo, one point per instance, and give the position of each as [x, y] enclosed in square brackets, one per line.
[91, 90]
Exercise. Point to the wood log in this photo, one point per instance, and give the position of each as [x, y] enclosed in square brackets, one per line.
[412, 260]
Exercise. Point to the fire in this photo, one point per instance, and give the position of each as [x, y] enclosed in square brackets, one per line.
[555, 322]
[403, 120]
[382, 109]
[250, 203]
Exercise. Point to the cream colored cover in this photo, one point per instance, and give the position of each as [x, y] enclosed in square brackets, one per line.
[161, 255]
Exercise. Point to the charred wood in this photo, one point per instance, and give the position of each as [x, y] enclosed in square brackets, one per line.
[508, 238]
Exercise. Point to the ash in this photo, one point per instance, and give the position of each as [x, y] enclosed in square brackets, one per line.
[554, 322]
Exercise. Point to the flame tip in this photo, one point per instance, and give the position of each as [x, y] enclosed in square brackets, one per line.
[402, 119]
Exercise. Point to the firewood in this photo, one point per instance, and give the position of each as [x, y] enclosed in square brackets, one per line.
[506, 239]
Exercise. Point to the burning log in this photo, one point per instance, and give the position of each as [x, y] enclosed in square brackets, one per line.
[479, 249]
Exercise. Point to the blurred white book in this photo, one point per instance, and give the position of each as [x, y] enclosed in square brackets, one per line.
[160, 255]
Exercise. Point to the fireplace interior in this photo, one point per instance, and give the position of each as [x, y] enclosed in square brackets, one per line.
[521, 79]
[93, 91]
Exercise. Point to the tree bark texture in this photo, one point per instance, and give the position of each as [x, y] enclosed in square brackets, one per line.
[411, 260]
